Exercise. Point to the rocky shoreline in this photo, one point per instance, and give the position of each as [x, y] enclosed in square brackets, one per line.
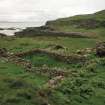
[47, 31]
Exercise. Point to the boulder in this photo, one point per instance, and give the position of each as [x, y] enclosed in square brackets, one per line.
[3, 52]
[100, 49]
[85, 51]
[57, 47]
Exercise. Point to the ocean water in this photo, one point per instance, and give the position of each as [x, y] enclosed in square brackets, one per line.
[17, 26]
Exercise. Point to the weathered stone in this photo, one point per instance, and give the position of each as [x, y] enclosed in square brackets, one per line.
[85, 51]
[3, 52]
[55, 81]
[57, 47]
[47, 31]
[73, 58]
[100, 49]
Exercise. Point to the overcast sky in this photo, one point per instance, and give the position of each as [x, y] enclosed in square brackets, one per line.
[42, 10]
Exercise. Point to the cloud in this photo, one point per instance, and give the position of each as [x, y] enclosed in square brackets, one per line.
[43, 10]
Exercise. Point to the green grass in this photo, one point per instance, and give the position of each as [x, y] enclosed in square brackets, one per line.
[85, 89]
[72, 24]
[25, 44]
[86, 86]
[12, 70]
[18, 87]
[40, 60]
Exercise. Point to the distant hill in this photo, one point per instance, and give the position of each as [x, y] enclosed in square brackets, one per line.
[92, 25]
[88, 21]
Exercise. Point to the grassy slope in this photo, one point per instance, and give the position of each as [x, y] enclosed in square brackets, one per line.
[67, 25]
[87, 88]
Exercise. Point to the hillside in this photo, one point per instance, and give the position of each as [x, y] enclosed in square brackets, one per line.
[91, 25]
[52, 67]
[90, 21]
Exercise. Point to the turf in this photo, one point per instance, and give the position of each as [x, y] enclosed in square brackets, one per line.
[85, 84]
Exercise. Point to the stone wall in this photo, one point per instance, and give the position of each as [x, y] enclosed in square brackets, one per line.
[3, 52]
[73, 58]
[100, 49]
[50, 72]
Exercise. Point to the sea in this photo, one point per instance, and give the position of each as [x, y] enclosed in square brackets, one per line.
[9, 28]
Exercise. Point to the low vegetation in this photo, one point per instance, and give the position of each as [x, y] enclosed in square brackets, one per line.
[42, 79]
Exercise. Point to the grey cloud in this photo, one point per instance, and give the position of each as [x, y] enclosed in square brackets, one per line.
[36, 10]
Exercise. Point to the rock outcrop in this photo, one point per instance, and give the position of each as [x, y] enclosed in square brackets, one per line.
[100, 49]
[3, 52]
[45, 31]
[56, 47]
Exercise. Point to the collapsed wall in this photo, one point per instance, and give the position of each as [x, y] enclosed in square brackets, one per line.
[28, 66]
[73, 58]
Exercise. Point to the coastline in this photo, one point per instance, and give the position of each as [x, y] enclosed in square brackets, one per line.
[9, 28]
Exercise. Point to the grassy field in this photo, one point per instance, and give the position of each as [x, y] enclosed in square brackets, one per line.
[24, 44]
[85, 85]
[17, 87]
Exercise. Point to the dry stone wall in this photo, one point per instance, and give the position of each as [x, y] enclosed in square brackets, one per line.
[74, 58]
[27, 65]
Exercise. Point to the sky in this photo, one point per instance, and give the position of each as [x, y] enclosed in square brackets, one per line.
[43, 10]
